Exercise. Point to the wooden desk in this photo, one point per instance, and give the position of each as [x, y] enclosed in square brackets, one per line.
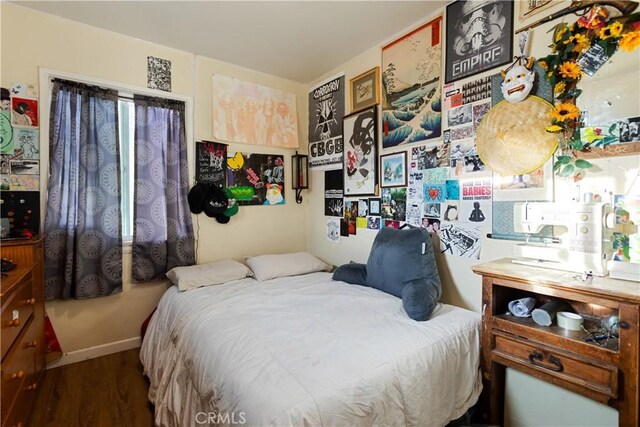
[605, 372]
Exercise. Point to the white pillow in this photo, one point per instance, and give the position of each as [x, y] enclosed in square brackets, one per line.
[212, 273]
[267, 267]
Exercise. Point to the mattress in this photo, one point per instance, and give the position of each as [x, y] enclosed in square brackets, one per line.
[306, 350]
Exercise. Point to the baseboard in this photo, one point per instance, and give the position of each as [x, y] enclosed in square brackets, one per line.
[93, 352]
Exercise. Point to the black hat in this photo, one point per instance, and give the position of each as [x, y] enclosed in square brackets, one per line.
[197, 197]
[222, 218]
[216, 202]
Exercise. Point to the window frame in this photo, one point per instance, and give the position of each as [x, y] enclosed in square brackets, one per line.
[46, 77]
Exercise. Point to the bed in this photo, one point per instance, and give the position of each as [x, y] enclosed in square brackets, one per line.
[307, 350]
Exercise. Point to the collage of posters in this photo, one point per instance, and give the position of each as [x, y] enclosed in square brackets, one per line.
[19, 139]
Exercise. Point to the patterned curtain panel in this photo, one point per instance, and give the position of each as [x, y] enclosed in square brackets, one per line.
[163, 233]
[83, 242]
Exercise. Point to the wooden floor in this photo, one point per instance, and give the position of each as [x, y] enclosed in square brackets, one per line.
[107, 391]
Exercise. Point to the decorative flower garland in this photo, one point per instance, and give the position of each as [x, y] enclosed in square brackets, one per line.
[570, 42]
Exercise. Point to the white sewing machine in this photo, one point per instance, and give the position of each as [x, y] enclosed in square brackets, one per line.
[580, 247]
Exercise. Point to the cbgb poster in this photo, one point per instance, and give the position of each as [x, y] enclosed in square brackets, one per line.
[479, 37]
[326, 109]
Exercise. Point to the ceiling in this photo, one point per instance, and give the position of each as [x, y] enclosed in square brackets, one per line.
[296, 40]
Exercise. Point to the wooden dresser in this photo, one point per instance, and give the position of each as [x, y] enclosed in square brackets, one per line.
[603, 370]
[23, 347]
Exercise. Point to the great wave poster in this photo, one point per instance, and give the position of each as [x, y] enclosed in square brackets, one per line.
[411, 95]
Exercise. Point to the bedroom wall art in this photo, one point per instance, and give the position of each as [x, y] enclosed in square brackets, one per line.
[364, 89]
[411, 86]
[19, 139]
[211, 162]
[158, 73]
[479, 37]
[394, 169]
[326, 110]
[250, 113]
[333, 193]
[256, 179]
[361, 153]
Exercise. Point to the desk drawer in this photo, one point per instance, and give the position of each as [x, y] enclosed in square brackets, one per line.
[18, 368]
[534, 358]
[17, 307]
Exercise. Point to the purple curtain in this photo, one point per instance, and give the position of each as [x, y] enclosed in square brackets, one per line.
[163, 233]
[83, 241]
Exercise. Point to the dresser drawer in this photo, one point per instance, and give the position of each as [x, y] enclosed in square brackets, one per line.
[18, 368]
[21, 410]
[17, 307]
[584, 373]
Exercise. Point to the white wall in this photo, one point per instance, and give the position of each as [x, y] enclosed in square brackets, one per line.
[613, 92]
[30, 40]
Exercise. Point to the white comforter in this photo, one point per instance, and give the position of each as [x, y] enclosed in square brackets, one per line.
[306, 350]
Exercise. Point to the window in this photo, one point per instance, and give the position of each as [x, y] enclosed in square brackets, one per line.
[126, 118]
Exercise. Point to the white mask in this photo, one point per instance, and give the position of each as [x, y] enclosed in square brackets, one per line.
[517, 83]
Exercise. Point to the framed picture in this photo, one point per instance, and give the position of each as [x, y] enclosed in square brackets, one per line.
[394, 169]
[479, 37]
[364, 89]
[360, 161]
[528, 8]
[411, 86]
[374, 207]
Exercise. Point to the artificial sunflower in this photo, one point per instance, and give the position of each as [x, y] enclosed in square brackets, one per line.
[580, 41]
[612, 30]
[570, 70]
[630, 41]
[560, 33]
[559, 88]
[553, 128]
[565, 111]
[543, 64]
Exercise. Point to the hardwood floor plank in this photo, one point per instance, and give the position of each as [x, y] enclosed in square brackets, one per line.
[106, 391]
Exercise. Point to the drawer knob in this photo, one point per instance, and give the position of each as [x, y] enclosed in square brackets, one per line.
[30, 301]
[536, 357]
[14, 322]
[18, 375]
[32, 386]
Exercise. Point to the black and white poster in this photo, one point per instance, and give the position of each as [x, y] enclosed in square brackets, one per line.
[326, 109]
[479, 37]
[211, 162]
[158, 73]
[333, 193]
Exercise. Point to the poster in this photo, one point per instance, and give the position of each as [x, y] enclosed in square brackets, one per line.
[479, 110]
[158, 73]
[476, 90]
[476, 201]
[536, 185]
[333, 193]
[360, 153]
[411, 94]
[394, 204]
[256, 179]
[249, 113]
[351, 215]
[460, 239]
[26, 143]
[211, 163]
[479, 37]
[460, 115]
[326, 110]
[24, 112]
[452, 96]
[6, 133]
[429, 157]
[333, 230]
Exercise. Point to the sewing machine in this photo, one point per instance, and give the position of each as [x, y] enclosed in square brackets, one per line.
[579, 248]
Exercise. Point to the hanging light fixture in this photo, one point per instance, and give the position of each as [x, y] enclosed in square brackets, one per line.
[300, 174]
